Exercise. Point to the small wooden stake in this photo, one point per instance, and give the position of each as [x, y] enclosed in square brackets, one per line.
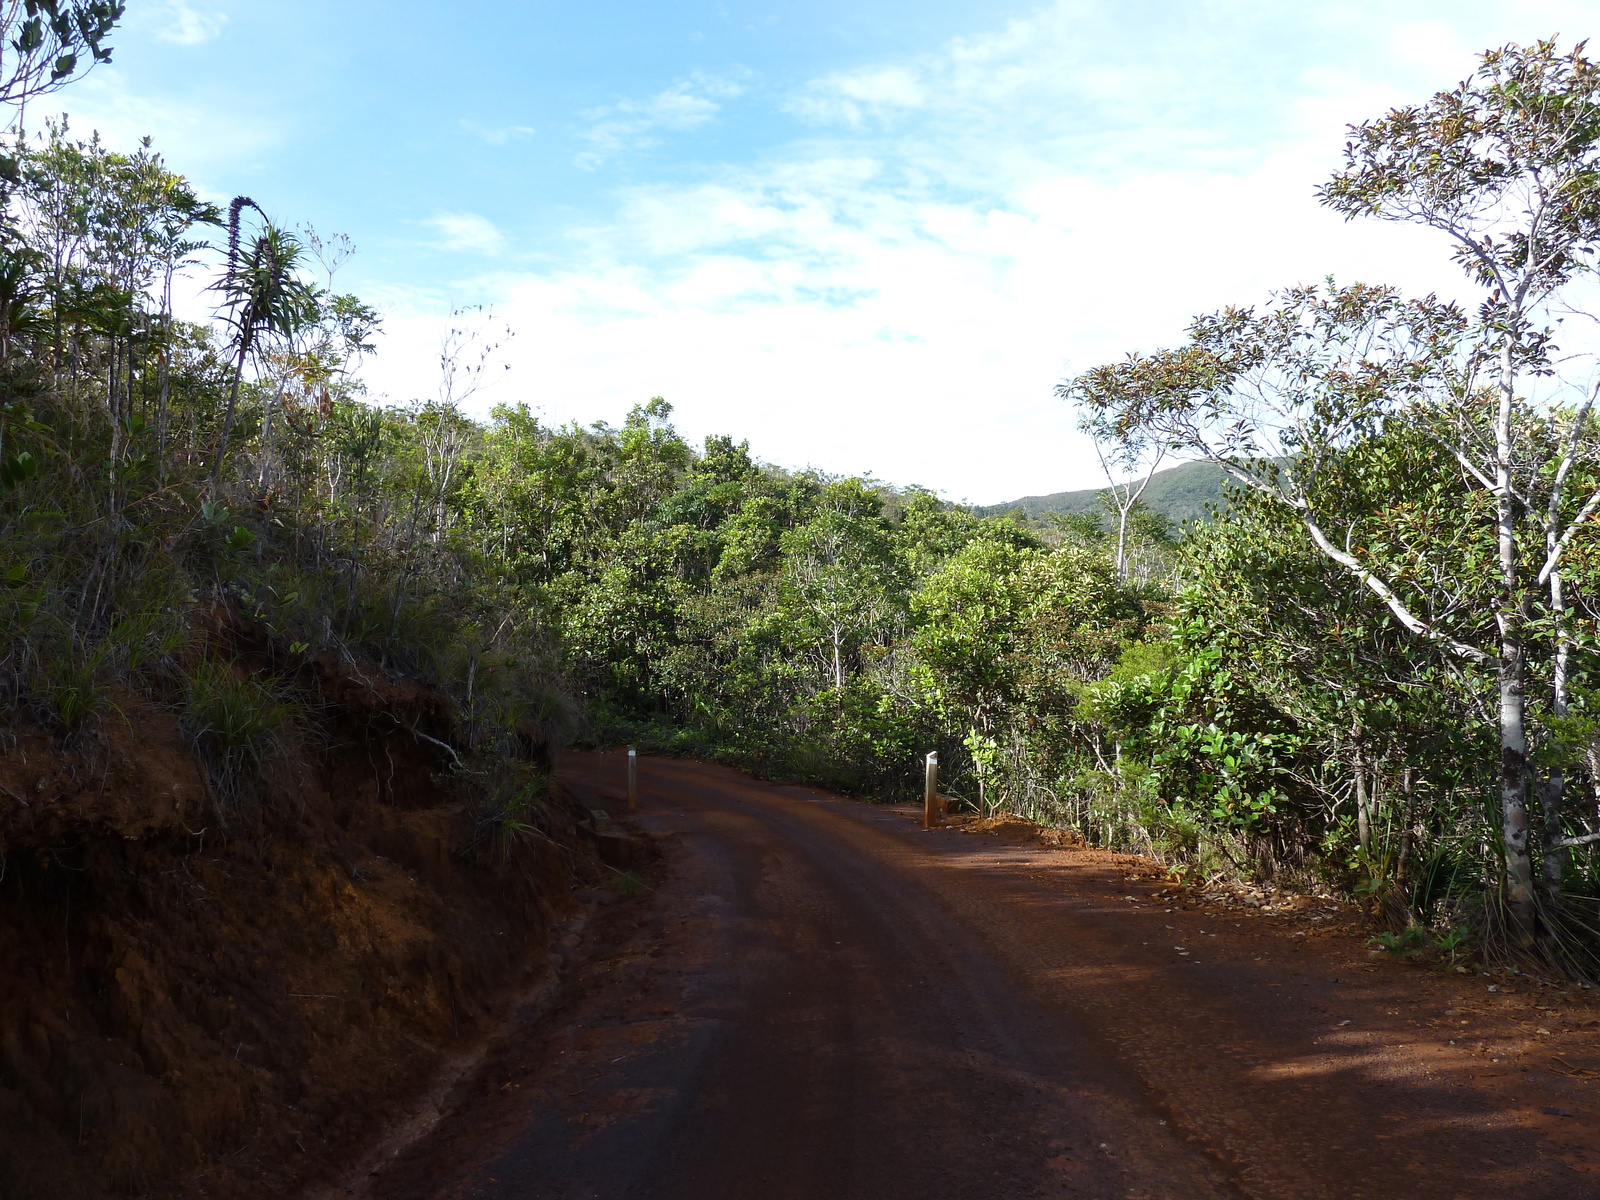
[633, 780]
[931, 816]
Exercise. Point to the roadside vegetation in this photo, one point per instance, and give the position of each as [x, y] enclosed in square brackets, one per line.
[277, 826]
[1373, 669]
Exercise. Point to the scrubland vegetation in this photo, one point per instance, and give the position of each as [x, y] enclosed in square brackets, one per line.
[1375, 671]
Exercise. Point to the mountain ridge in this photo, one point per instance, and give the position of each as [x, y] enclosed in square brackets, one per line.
[1181, 493]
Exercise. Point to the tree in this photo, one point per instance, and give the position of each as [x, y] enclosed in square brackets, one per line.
[108, 233]
[841, 578]
[1507, 165]
[972, 628]
[465, 354]
[1388, 725]
[48, 40]
[262, 293]
[311, 365]
[622, 622]
[1129, 461]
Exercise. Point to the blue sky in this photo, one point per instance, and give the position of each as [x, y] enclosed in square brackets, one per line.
[867, 236]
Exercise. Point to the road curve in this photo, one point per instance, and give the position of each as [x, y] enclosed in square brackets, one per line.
[822, 1001]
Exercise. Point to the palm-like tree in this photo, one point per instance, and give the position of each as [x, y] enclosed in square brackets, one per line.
[263, 293]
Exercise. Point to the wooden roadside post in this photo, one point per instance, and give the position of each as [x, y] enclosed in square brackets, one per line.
[931, 816]
[633, 780]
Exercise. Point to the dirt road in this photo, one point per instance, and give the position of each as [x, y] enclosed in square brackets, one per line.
[819, 1000]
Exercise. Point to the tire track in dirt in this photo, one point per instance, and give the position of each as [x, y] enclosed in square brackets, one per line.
[820, 1000]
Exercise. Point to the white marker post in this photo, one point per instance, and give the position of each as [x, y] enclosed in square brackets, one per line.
[633, 780]
[930, 793]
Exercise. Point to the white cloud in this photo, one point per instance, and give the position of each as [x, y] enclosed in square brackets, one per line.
[848, 98]
[499, 135]
[905, 336]
[900, 292]
[185, 23]
[468, 232]
[633, 124]
[206, 140]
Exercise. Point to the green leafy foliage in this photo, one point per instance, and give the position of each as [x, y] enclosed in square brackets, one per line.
[49, 40]
[1302, 687]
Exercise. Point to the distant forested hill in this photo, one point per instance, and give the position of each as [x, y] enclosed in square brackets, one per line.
[1179, 493]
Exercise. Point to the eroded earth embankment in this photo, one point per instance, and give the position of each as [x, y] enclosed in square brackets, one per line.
[229, 1008]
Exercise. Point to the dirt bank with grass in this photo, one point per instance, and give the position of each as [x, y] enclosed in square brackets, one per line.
[222, 974]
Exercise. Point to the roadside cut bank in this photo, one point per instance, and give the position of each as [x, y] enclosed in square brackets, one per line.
[223, 977]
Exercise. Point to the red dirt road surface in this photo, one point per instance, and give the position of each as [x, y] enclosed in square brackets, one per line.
[817, 1000]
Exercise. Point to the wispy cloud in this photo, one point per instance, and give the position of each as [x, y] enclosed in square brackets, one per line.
[852, 97]
[959, 230]
[635, 124]
[499, 135]
[210, 138]
[185, 23]
[468, 232]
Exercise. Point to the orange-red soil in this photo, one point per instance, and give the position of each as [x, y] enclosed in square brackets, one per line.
[192, 1010]
[819, 999]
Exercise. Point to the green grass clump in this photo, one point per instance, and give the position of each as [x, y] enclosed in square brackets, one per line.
[234, 720]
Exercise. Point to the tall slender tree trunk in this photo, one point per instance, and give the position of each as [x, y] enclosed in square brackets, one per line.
[269, 437]
[1591, 760]
[1363, 801]
[1556, 855]
[164, 384]
[1513, 669]
[1514, 783]
[227, 417]
[1402, 866]
[163, 391]
[113, 411]
[355, 567]
[1553, 784]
